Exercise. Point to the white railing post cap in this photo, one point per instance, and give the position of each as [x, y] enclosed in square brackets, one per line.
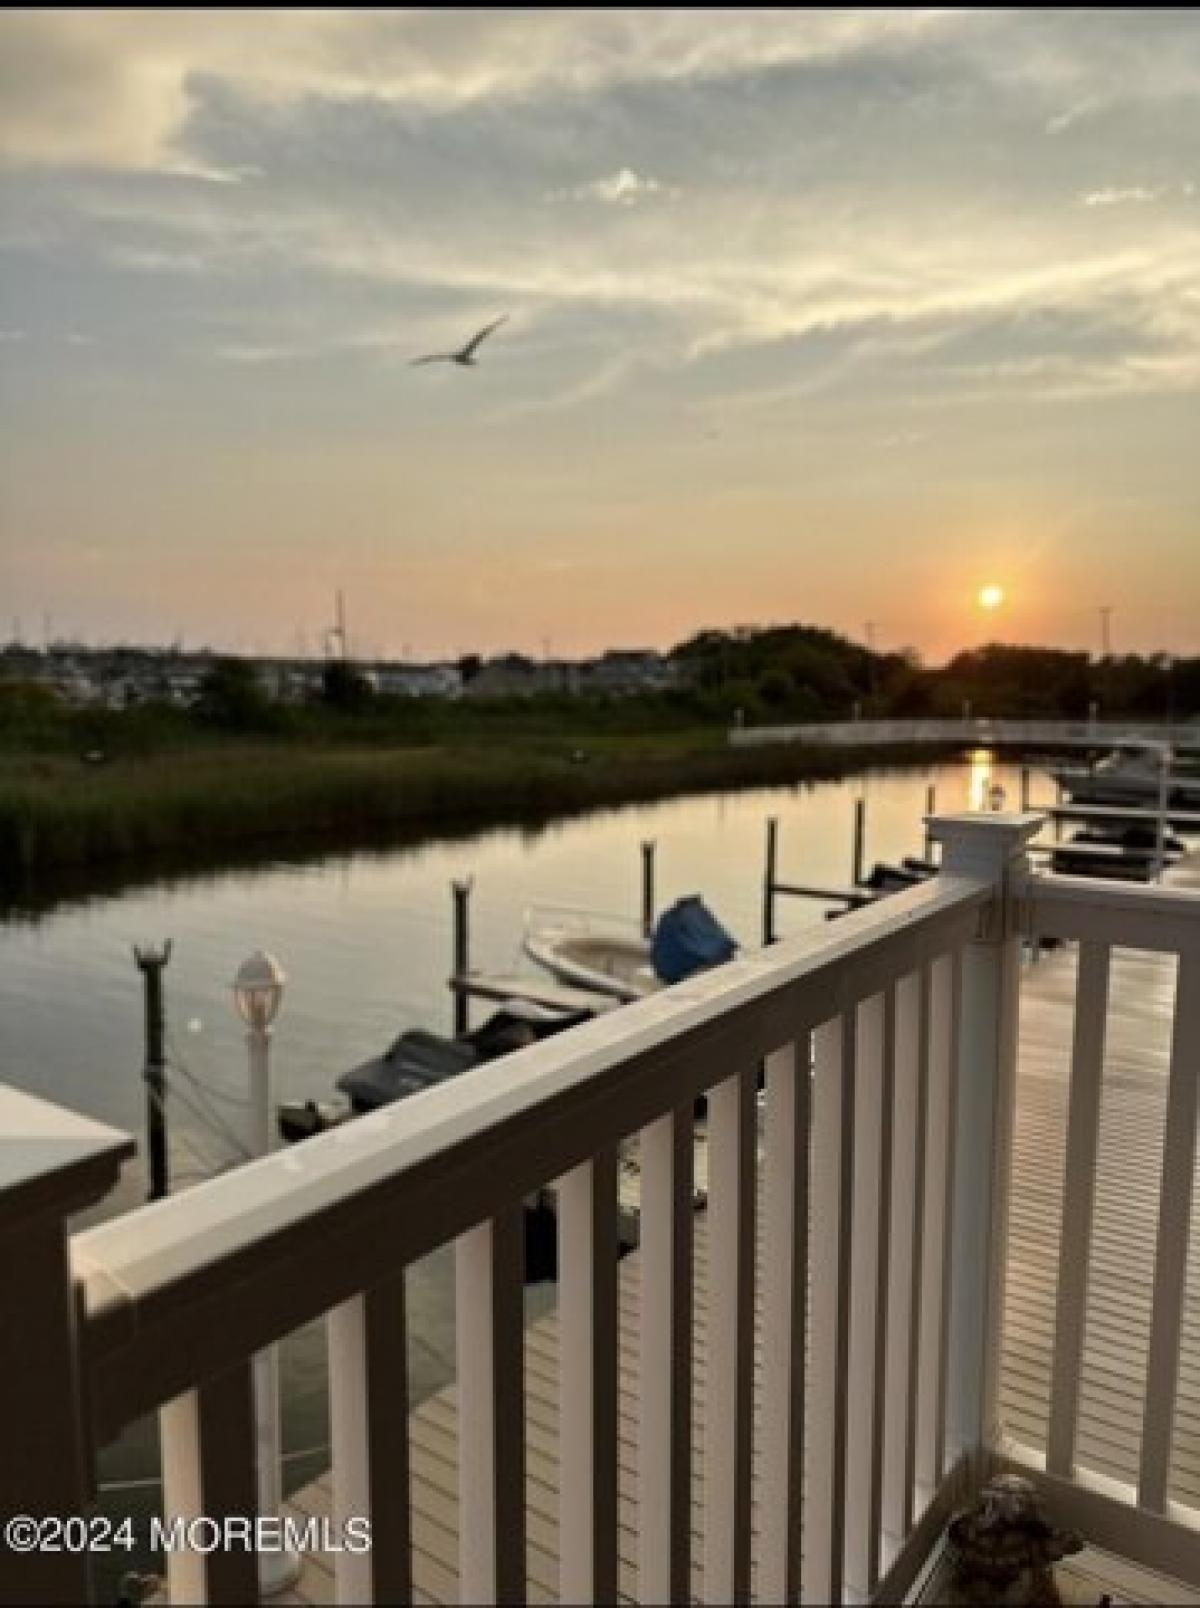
[51, 1159]
[983, 843]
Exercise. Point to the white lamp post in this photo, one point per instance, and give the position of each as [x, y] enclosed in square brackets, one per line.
[257, 994]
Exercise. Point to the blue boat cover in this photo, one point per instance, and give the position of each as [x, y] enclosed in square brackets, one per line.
[687, 939]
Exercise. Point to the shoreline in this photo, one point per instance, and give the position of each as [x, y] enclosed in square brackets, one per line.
[70, 831]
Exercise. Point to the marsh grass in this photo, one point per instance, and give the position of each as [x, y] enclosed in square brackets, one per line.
[60, 815]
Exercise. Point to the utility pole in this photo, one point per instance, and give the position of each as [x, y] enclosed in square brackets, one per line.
[341, 624]
[1105, 630]
[871, 661]
[151, 963]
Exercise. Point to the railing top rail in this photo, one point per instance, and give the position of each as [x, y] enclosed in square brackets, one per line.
[175, 1289]
[1129, 914]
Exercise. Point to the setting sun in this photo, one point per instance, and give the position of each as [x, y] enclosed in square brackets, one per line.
[991, 596]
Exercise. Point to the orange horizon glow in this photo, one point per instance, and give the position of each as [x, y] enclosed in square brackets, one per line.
[759, 377]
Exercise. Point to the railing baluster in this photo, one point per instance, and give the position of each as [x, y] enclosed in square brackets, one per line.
[917, 1270]
[868, 1260]
[833, 1208]
[207, 1438]
[785, 1295]
[665, 1404]
[587, 1238]
[489, 1314]
[730, 1394]
[1174, 1218]
[903, 1261]
[886, 1100]
[368, 1414]
[950, 983]
[1079, 1191]
[941, 1134]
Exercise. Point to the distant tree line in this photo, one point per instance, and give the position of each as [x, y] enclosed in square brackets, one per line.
[801, 673]
[790, 673]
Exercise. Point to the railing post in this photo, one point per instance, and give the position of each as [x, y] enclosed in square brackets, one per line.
[52, 1164]
[986, 848]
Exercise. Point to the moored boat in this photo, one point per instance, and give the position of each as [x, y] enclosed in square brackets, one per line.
[418, 1060]
[607, 955]
[1148, 777]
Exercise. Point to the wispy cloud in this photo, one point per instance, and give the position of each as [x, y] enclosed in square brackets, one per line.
[622, 188]
[118, 89]
[1133, 194]
[1061, 121]
[1112, 196]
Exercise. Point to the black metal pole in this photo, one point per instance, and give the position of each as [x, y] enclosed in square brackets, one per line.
[462, 953]
[647, 888]
[1024, 787]
[860, 824]
[150, 964]
[930, 807]
[768, 924]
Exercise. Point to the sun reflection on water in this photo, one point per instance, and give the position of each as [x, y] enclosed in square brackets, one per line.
[980, 777]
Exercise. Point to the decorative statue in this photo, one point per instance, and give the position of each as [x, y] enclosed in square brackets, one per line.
[1004, 1548]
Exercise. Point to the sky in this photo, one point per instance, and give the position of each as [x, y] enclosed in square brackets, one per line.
[822, 315]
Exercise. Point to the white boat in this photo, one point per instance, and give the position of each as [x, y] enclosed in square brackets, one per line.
[610, 955]
[605, 954]
[1132, 779]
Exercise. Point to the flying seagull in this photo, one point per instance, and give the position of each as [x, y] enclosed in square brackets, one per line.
[465, 354]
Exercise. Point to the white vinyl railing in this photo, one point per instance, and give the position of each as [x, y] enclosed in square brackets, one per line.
[853, 1271]
[1101, 920]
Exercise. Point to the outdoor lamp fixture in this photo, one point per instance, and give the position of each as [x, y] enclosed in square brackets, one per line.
[258, 990]
[257, 995]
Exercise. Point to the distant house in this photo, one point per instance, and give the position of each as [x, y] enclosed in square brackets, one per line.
[513, 676]
[182, 687]
[418, 680]
[628, 671]
[619, 673]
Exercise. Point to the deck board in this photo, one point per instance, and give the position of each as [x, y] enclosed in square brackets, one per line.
[1116, 1336]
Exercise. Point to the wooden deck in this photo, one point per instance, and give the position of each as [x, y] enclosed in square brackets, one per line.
[1118, 1310]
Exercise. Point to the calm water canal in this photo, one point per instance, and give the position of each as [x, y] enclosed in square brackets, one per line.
[366, 943]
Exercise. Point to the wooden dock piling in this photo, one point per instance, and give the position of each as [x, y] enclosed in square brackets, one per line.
[462, 952]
